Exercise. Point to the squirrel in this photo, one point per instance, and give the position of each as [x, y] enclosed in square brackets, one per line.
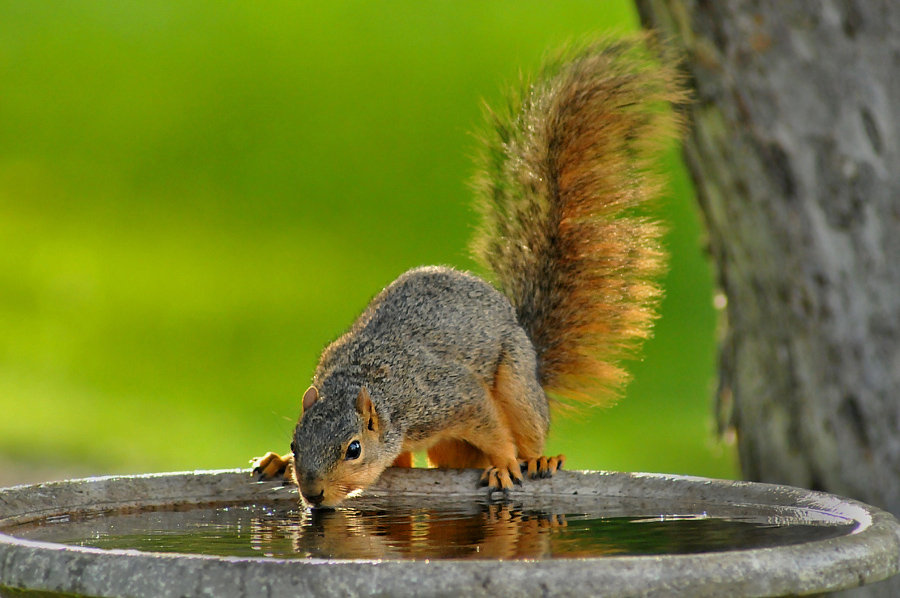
[445, 362]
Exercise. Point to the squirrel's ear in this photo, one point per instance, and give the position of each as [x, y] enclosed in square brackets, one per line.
[309, 397]
[367, 410]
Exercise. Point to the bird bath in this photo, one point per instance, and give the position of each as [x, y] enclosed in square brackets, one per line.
[433, 533]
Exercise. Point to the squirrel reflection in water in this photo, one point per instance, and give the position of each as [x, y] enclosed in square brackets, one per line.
[480, 531]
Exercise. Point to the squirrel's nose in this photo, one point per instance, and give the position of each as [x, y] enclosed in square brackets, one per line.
[314, 500]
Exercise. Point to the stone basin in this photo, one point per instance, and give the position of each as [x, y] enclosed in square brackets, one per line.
[519, 556]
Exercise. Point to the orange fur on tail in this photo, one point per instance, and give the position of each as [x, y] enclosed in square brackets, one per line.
[566, 173]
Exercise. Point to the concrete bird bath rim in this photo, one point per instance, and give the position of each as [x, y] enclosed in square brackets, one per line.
[870, 553]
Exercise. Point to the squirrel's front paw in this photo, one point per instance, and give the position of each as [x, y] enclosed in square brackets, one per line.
[542, 467]
[502, 478]
[272, 465]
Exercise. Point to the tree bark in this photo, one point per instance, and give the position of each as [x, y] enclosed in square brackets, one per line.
[795, 152]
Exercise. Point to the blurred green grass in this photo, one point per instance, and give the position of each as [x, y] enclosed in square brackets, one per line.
[196, 197]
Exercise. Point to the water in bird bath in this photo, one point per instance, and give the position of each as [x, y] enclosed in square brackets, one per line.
[426, 528]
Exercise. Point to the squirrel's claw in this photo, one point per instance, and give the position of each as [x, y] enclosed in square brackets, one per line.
[541, 467]
[554, 464]
[272, 465]
[502, 478]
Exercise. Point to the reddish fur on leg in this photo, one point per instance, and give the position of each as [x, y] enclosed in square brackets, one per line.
[403, 460]
[456, 454]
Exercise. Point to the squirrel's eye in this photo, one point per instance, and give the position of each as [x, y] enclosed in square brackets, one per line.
[293, 447]
[353, 450]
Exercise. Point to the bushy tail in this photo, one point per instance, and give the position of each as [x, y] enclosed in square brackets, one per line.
[565, 171]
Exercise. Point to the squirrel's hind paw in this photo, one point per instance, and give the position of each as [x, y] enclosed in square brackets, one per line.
[541, 467]
[272, 465]
[501, 478]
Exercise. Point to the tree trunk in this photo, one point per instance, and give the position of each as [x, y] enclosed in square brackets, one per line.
[795, 152]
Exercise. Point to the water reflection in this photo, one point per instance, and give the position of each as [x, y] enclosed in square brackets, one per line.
[484, 531]
[447, 528]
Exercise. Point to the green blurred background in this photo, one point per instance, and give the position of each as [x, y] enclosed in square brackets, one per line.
[196, 197]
